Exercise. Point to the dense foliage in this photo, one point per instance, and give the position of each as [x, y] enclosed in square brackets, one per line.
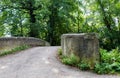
[110, 62]
[49, 19]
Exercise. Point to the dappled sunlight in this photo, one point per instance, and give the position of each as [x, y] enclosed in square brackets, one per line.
[45, 60]
[55, 70]
[3, 67]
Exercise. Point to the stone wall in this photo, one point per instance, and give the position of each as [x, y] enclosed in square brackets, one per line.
[11, 42]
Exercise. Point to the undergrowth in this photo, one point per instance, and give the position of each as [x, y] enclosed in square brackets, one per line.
[109, 62]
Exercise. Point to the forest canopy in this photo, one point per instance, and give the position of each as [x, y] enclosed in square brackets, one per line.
[49, 19]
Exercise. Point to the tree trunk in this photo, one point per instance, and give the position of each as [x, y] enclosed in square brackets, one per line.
[107, 20]
[34, 32]
[51, 25]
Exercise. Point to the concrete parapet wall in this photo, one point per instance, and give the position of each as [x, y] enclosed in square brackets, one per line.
[11, 42]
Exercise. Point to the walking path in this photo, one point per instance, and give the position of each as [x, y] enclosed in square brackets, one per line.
[41, 62]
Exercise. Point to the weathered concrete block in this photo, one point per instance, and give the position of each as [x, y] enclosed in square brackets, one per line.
[85, 46]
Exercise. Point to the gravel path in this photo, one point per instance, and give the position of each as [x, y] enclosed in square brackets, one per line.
[40, 62]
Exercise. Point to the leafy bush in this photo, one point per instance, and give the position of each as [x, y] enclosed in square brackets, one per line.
[110, 56]
[60, 52]
[110, 62]
[84, 65]
[70, 60]
[103, 68]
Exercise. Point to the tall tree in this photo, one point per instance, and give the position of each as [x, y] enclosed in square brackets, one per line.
[61, 15]
[25, 6]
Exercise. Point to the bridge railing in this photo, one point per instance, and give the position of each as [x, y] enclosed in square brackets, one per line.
[11, 42]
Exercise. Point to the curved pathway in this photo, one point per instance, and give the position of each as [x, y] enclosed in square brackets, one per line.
[40, 62]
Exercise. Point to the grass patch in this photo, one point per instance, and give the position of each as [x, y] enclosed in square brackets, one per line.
[14, 50]
[70, 60]
[109, 64]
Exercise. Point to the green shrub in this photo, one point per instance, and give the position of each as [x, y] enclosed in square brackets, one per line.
[110, 56]
[116, 66]
[110, 62]
[70, 60]
[103, 68]
[60, 52]
[84, 65]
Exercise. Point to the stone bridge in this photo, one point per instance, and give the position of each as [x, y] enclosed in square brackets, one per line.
[11, 42]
